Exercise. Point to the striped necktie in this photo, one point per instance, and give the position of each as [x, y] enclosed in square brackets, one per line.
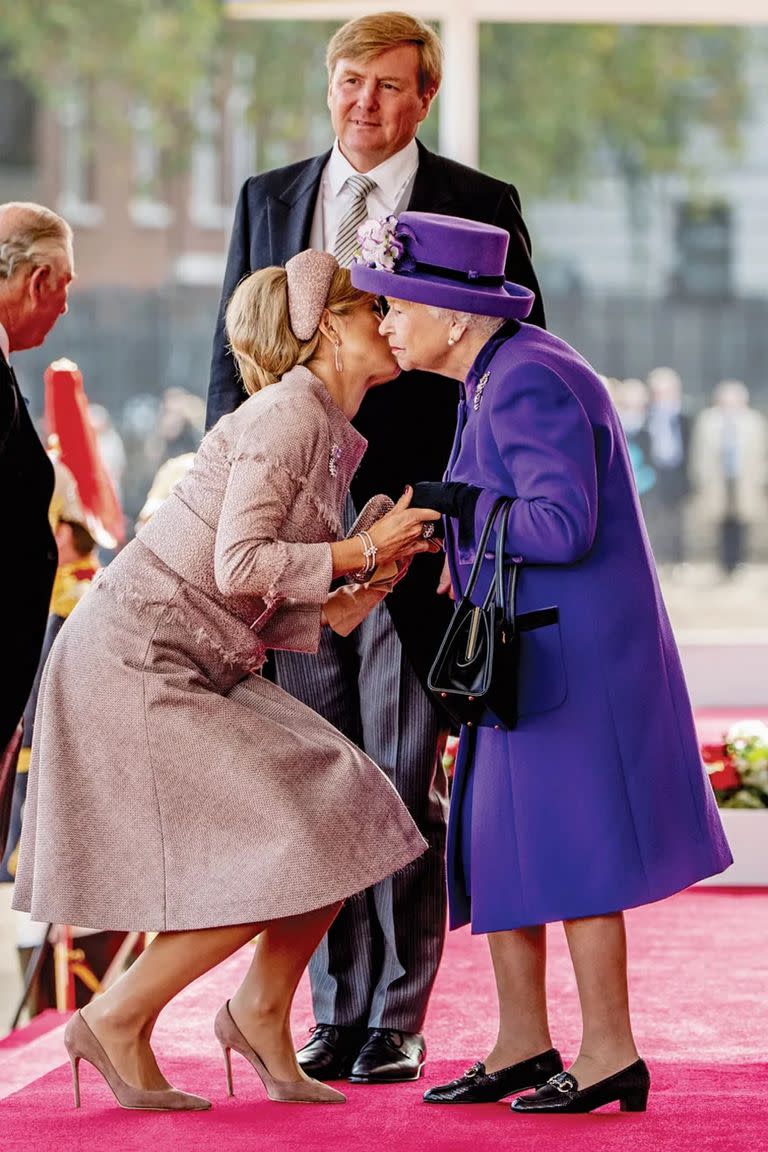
[346, 237]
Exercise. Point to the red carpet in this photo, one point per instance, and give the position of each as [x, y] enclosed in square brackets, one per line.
[699, 976]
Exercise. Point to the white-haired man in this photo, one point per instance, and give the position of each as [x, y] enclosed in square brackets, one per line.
[36, 269]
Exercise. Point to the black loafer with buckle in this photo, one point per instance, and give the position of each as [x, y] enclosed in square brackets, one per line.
[477, 1086]
[561, 1093]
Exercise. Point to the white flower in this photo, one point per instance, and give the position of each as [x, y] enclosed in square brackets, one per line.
[378, 244]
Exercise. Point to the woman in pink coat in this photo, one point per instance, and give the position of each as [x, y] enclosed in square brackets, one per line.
[174, 789]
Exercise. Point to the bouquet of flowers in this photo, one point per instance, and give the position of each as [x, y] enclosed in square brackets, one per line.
[738, 766]
[449, 756]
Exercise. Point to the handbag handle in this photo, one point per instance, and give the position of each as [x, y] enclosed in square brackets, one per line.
[498, 592]
[506, 594]
[482, 543]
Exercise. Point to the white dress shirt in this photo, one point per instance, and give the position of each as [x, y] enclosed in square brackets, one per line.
[394, 184]
[5, 343]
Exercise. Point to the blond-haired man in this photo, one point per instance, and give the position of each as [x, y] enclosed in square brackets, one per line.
[36, 268]
[373, 974]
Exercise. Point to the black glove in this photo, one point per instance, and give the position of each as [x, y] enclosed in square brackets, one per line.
[451, 498]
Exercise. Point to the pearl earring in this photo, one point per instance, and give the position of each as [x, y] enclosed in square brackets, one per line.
[451, 341]
[337, 357]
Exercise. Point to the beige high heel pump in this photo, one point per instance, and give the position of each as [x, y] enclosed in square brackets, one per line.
[286, 1091]
[81, 1044]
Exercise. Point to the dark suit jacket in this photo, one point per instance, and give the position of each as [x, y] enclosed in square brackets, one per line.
[29, 549]
[409, 423]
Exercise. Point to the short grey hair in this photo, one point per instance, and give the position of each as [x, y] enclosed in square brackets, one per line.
[30, 234]
[485, 324]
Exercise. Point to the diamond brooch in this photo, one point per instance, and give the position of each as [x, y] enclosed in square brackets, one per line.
[479, 390]
[334, 459]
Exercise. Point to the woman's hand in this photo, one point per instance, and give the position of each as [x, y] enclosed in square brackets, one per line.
[400, 534]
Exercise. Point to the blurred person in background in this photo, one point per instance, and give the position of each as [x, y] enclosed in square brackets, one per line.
[729, 469]
[110, 444]
[180, 425]
[36, 269]
[373, 975]
[165, 480]
[669, 435]
[631, 399]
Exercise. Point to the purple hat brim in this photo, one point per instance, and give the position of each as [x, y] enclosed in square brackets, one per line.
[510, 300]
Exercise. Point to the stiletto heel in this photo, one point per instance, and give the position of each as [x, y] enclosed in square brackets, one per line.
[81, 1044]
[636, 1101]
[307, 1091]
[75, 1061]
[228, 1065]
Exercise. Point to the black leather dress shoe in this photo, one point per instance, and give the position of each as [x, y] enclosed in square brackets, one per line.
[389, 1056]
[331, 1052]
[477, 1086]
[561, 1093]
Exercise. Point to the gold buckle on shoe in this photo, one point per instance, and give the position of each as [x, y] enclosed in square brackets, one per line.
[564, 1082]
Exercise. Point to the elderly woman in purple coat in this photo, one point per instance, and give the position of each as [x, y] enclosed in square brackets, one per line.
[597, 800]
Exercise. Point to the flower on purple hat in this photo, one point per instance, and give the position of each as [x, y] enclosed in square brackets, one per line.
[382, 244]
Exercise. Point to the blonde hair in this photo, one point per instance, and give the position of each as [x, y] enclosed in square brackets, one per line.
[31, 234]
[259, 330]
[369, 36]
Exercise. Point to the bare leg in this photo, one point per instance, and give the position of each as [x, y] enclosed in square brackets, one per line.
[261, 1006]
[124, 1016]
[598, 947]
[519, 964]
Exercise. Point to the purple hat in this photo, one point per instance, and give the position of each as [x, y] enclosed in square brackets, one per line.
[445, 261]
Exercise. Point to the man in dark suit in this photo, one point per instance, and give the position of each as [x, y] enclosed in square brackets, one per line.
[35, 272]
[373, 974]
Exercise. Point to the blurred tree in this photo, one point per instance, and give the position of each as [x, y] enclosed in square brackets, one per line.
[159, 52]
[562, 103]
[156, 50]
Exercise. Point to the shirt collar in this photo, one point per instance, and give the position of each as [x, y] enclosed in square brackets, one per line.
[5, 343]
[391, 176]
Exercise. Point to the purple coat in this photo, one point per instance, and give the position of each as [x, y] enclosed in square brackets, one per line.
[598, 800]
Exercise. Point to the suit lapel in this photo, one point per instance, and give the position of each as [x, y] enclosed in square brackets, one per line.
[289, 214]
[429, 189]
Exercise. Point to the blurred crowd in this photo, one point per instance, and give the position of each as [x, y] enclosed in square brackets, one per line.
[701, 472]
[145, 435]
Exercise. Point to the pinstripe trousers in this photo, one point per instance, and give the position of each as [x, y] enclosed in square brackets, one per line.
[377, 964]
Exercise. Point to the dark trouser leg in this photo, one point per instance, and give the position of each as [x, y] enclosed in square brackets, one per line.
[732, 534]
[403, 735]
[341, 969]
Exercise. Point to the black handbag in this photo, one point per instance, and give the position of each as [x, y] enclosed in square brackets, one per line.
[474, 675]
